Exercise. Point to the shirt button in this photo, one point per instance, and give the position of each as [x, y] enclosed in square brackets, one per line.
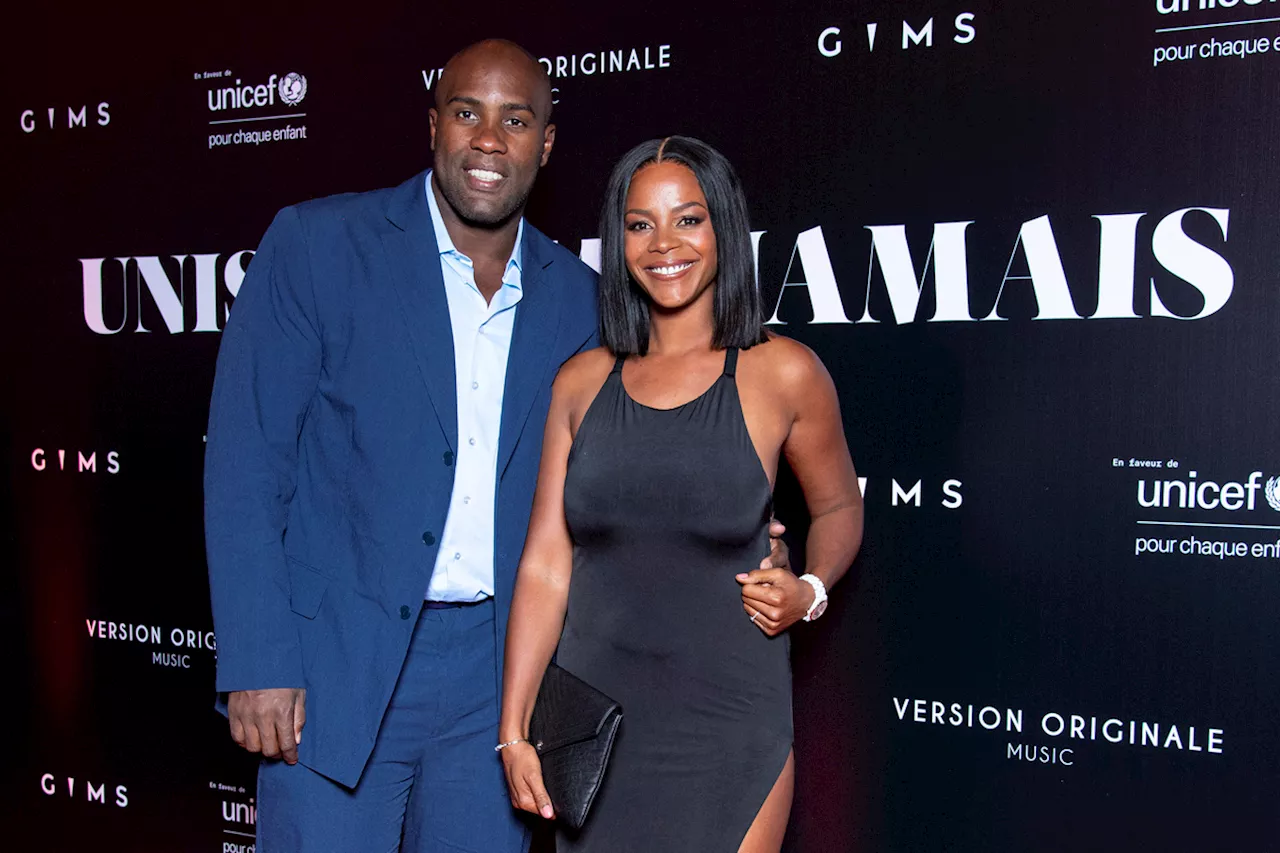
[428, 538]
[474, 385]
[466, 500]
[471, 441]
[448, 457]
[457, 556]
[404, 611]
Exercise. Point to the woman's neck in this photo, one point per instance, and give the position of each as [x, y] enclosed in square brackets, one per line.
[686, 330]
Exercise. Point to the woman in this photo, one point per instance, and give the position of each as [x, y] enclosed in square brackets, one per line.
[653, 500]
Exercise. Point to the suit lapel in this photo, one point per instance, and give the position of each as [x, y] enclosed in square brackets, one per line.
[414, 259]
[532, 344]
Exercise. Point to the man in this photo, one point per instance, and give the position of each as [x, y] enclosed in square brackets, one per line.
[374, 439]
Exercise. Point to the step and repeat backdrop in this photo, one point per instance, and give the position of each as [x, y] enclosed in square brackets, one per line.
[1034, 242]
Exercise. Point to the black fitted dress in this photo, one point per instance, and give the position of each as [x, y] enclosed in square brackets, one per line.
[665, 507]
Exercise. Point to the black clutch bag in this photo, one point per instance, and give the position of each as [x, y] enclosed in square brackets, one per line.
[572, 728]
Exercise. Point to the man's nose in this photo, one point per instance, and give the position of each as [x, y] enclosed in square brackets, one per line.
[490, 140]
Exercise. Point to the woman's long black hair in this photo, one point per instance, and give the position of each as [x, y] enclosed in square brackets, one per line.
[624, 306]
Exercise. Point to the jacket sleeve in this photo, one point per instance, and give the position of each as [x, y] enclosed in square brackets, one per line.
[267, 373]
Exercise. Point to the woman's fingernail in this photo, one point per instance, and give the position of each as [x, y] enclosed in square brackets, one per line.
[741, 577]
[547, 813]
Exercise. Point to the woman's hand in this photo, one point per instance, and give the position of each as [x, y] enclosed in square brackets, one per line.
[774, 599]
[524, 779]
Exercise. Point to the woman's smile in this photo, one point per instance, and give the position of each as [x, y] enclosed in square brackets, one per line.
[670, 272]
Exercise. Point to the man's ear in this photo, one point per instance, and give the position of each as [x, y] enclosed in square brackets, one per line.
[548, 140]
[431, 119]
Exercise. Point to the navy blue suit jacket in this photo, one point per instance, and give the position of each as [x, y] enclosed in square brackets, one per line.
[332, 434]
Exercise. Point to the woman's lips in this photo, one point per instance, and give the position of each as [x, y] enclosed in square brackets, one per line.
[668, 272]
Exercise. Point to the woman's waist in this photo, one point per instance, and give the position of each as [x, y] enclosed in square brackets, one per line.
[621, 549]
[681, 621]
[677, 658]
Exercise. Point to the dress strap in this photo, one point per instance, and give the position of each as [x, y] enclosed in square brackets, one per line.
[730, 361]
[617, 364]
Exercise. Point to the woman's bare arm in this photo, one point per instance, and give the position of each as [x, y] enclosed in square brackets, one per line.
[542, 580]
[542, 583]
[816, 449]
[818, 453]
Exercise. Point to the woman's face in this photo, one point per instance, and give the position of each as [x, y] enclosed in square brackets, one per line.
[670, 245]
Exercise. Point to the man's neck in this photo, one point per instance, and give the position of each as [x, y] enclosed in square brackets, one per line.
[479, 244]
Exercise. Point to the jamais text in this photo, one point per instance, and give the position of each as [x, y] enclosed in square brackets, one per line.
[1194, 280]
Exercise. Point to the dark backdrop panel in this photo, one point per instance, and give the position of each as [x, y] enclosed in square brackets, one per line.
[1063, 640]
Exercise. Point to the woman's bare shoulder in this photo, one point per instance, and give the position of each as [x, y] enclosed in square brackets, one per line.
[583, 374]
[787, 364]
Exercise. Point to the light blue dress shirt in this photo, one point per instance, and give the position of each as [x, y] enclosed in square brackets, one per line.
[481, 343]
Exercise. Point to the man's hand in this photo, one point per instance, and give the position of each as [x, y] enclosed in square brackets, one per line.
[779, 554]
[774, 599]
[269, 721]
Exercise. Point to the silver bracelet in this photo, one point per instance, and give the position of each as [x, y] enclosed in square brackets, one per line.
[503, 746]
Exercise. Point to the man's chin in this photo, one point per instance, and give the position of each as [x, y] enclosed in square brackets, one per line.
[484, 210]
[486, 215]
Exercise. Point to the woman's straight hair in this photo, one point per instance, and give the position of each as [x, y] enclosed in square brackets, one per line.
[624, 306]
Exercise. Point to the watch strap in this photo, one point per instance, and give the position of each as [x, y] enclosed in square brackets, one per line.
[819, 596]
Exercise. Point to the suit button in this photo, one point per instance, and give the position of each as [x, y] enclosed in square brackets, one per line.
[448, 457]
[404, 611]
[428, 539]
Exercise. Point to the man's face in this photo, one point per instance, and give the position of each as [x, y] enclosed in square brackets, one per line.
[490, 134]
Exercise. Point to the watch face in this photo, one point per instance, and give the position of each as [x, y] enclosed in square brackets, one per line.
[818, 610]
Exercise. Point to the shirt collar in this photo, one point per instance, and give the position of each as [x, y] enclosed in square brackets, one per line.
[445, 243]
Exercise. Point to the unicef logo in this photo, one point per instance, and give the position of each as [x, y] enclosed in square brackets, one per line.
[1272, 493]
[293, 88]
